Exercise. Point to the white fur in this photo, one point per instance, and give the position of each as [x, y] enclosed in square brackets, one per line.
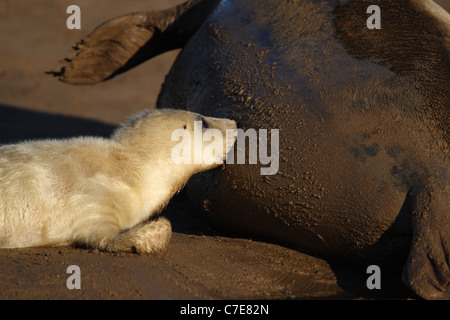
[95, 191]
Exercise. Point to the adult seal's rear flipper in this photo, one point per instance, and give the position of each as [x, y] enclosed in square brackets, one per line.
[427, 269]
[122, 43]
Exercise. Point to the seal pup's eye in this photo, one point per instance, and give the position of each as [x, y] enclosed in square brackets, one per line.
[205, 124]
[184, 127]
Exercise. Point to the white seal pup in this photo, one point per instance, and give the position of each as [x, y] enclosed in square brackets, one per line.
[98, 192]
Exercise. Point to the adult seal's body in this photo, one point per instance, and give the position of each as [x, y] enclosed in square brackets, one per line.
[363, 116]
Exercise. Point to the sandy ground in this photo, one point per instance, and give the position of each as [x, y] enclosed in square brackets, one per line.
[200, 263]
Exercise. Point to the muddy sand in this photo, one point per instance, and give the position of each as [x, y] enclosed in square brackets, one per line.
[200, 263]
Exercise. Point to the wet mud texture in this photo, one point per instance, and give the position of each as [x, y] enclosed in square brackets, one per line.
[200, 263]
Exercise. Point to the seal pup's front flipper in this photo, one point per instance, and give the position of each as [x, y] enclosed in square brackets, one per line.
[152, 237]
[122, 43]
[427, 269]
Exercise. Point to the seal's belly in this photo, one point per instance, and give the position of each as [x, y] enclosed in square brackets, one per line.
[340, 188]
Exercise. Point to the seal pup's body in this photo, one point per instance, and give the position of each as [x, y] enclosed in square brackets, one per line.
[95, 191]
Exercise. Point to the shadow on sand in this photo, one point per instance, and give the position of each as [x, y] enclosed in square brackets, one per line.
[17, 124]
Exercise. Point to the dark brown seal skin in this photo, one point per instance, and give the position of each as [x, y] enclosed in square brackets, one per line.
[364, 126]
[124, 42]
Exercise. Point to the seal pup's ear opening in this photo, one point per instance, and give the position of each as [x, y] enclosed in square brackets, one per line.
[130, 122]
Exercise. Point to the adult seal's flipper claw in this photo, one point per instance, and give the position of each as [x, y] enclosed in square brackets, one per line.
[427, 269]
[126, 41]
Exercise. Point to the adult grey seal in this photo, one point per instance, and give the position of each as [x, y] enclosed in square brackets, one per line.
[363, 116]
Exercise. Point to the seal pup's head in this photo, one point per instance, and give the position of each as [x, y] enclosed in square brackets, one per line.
[177, 138]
